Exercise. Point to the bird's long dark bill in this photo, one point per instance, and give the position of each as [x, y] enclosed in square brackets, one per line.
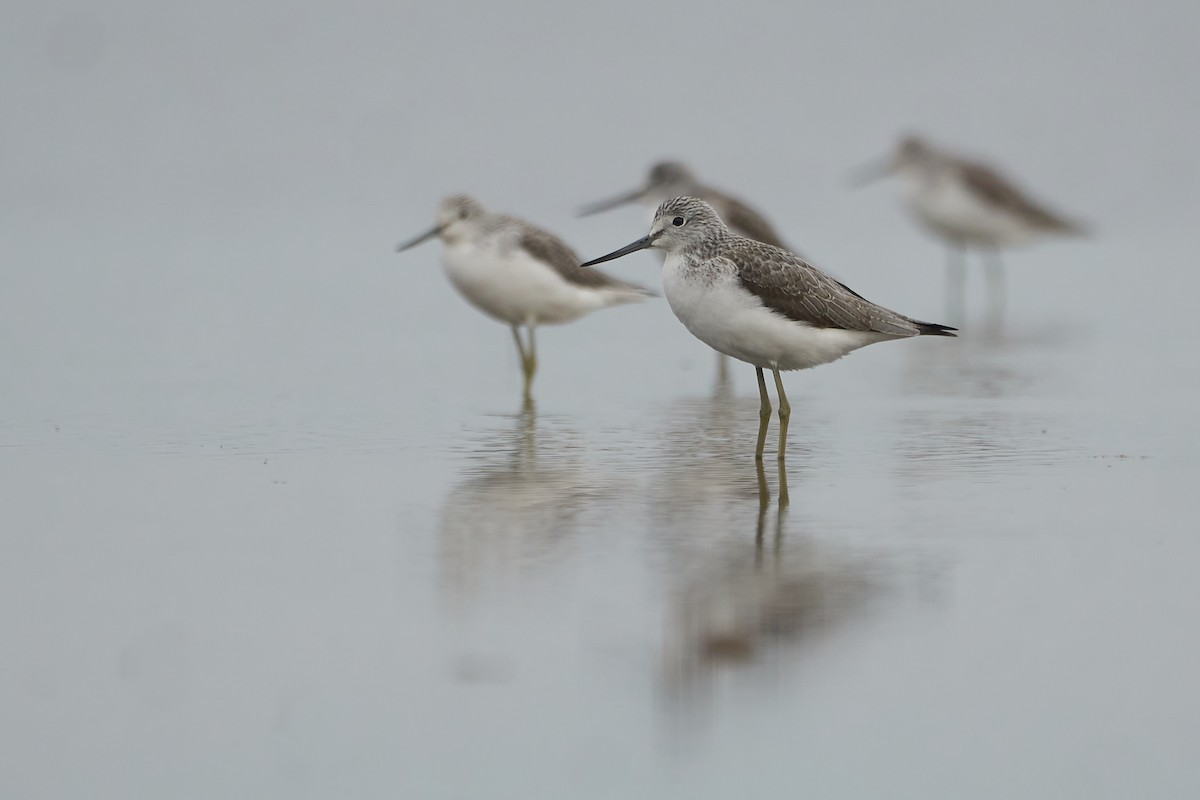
[640, 244]
[612, 202]
[429, 234]
[871, 172]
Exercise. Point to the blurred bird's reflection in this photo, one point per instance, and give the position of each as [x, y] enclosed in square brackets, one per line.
[744, 587]
[520, 501]
[705, 474]
[758, 597]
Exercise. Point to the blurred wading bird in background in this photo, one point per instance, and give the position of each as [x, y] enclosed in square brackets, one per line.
[518, 274]
[966, 204]
[761, 304]
[668, 179]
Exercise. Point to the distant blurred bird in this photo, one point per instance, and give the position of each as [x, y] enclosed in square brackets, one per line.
[761, 304]
[967, 204]
[668, 179]
[518, 274]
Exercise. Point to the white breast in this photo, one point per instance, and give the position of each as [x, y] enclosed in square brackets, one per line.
[511, 286]
[946, 206]
[709, 300]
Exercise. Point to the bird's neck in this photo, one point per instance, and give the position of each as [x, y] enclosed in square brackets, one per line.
[708, 248]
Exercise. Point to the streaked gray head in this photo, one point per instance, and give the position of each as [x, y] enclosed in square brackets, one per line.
[459, 217]
[913, 150]
[685, 222]
[665, 180]
[669, 173]
[681, 223]
[458, 211]
[913, 158]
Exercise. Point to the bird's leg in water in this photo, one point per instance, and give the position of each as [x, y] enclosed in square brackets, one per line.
[764, 413]
[785, 413]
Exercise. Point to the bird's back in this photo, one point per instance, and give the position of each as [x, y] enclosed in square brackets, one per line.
[1000, 193]
[552, 251]
[791, 286]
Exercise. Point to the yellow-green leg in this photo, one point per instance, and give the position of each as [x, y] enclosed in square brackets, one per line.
[528, 358]
[531, 365]
[785, 412]
[520, 346]
[764, 413]
[524, 358]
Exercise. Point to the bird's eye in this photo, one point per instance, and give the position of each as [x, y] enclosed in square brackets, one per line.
[462, 213]
[677, 221]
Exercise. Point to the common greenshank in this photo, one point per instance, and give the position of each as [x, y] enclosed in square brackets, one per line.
[518, 274]
[761, 304]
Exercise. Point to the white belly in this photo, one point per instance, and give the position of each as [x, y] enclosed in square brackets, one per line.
[515, 288]
[730, 320]
[947, 208]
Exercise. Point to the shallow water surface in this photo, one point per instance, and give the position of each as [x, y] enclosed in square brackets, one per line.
[978, 583]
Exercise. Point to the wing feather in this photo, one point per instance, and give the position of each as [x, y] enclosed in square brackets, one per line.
[791, 286]
[549, 249]
[999, 192]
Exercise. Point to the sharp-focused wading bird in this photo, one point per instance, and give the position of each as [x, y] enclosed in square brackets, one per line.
[968, 205]
[668, 179]
[518, 274]
[761, 304]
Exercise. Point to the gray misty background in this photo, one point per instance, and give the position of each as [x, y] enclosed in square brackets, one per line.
[272, 527]
[223, 183]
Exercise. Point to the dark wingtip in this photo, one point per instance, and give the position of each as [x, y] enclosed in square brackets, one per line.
[933, 329]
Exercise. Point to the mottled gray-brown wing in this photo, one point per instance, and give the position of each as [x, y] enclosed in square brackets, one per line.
[744, 220]
[791, 286]
[548, 248]
[992, 187]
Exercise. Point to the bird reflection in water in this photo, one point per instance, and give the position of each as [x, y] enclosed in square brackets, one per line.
[745, 588]
[702, 481]
[517, 506]
[725, 639]
[758, 600]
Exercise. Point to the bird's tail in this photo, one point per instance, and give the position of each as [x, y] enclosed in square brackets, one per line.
[1053, 222]
[1074, 227]
[933, 329]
